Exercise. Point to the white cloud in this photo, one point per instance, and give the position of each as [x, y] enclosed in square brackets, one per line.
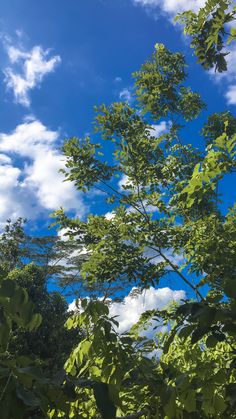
[230, 74]
[62, 234]
[110, 215]
[14, 197]
[131, 308]
[27, 70]
[4, 159]
[158, 129]
[227, 79]
[172, 7]
[37, 186]
[231, 95]
[124, 182]
[170, 254]
[125, 94]
[28, 139]
[43, 176]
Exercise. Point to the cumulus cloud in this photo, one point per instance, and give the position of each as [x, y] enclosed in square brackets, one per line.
[28, 139]
[4, 159]
[125, 94]
[29, 180]
[124, 182]
[227, 79]
[172, 7]
[230, 75]
[110, 215]
[27, 69]
[131, 308]
[231, 95]
[63, 234]
[11, 192]
[159, 129]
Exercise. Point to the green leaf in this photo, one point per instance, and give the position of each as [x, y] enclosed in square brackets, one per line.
[211, 341]
[198, 334]
[103, 400]
[27, 397]
[190, 401]
[35, 322]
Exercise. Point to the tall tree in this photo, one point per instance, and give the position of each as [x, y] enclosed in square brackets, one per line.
[165, 218]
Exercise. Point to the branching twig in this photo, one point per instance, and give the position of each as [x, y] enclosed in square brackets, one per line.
[176, 270]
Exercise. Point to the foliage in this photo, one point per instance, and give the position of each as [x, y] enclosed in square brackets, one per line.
[26, 390]
[217, 125]
[165, 220]
[159, 87]
[51, 343]
[126, 376]
[209, 32]
[16, 373]
[57, 257]
[34, 263]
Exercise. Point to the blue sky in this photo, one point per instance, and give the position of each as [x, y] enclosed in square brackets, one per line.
[60, 58]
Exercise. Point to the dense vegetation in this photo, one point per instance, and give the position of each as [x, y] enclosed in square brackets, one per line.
[168, 205]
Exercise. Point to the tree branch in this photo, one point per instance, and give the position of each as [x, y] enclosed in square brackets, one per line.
[176, 270]
[6, 385]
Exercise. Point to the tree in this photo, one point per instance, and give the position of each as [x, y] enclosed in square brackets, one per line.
[51, 343]
[17, 395]
[56, 256]
[34, 347]
[210, 32]
[26, 392]
[33, 263]
[168, 207]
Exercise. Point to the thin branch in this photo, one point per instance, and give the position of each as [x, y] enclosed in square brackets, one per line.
[128, 201]
[6, 385]
[182, 276]
[176, 270]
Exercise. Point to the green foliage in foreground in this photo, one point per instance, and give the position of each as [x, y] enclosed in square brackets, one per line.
[210, 32]
[18, 311]
[109, 375]
[26, 388]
